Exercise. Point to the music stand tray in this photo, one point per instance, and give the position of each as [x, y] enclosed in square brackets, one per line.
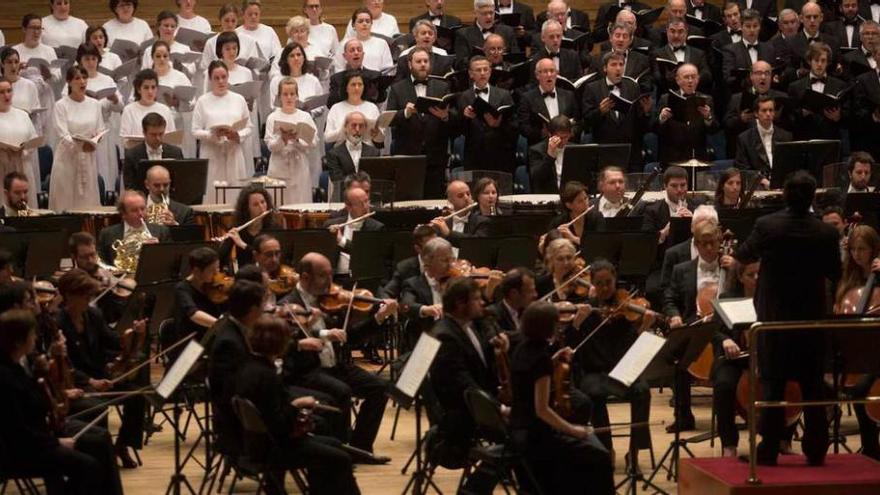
[802, 155]
[371, 253]
[165, 260]
[297, 243]
[407, 172]
[582, 162]
[188, 178]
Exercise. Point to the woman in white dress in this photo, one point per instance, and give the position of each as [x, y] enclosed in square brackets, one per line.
[265, 36]
[290, 150]
[88, 56]
[247, 46]
[124, 25]
[33, 47]
[74, 179]
[383, 23]
[322, 36]
[25, 93]
[15, 129]
[377, 54]
[146, 83]
[322, 62]
[172, 78]
[62, 29]
[228, 52]
[166, 27]
[187, 17]
[97, 36]
[354, 89]
[214, 125]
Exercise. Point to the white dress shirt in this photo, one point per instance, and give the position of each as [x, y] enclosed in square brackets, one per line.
[818, 86]
[609, 209]
[875, 13]
[436, 290]
[421, 89]
[347, 234]
[708, 273]
[766, 136]
[355, 151]
[327, 356]
[153, 153]
[673, 207]
[752, 51]
[552, 103]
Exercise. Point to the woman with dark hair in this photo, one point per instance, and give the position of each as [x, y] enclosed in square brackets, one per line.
[228, 16]
[187, 17]
[486, 192]
[145, 88]
[166, 28]
[97, 36]
[728, 192]
[25, 93]
[228, 51]
[381, 22]
[169, 77]
[78, 122]
[193, 309]
[560, 454]
[124, 25]
[62, 29]
[16, 128]
[575, 201]
[295, 63]
[377, 54]
[252, 202]
[353, 82]
[32, 46]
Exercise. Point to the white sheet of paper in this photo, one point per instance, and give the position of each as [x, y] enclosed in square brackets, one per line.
[739, 311]
[179, 369]
[417, 365]
[637, 358]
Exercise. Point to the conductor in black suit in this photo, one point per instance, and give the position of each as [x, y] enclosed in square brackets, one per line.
[799, 256]
[152, 148]
[545, 157]
[158, 186]
[610, 123]
[681, 140]
[416, 133]
[756, 145]
[344, 159]
[541, 104]
[467, 38]
[132, 207]
[828, 123]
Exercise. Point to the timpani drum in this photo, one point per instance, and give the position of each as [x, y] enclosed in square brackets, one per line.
[530, 203]
[216, 219]
[308, 215]
[427, 204]
[95, 219]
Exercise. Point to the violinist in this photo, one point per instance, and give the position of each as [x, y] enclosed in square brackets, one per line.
[323, 368]
[267, 255]
[516, 292]
[422, 294]
[357, 204]
[84, 254]
[328, 467]
[559, 267]
[91, 346]
[252, 202]
[194, 311]
[602, 352]
[465, 224]
[561, 454]
[82, 467]
[409, 267]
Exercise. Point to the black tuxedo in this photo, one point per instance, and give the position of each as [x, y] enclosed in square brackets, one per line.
[526, 20]
[603, 12]
[866, 99]
[734, 126]
[182, 213]
[542, 170]
[855, 63]
[579, 19]
[815, 125]
[134, 155]
[445, 21]
[532, 103]
[664, 77]
[656, 214]
[621, 128]
[477, 226]
[750, 152]
[486, 147]
[837, 29]
[440, 65]
[114, 232]
[471, 36]
[337, 89]
[227, 351]
[404, 269]
[338, 162]
[735, 58]
[678, 253]
[710, 12]
[637, 63]
[569, 63]
[799, 45]
[680, 296]
[421, 134]
[681, 141]
[415, 292]
[767, 8]
[369, 225]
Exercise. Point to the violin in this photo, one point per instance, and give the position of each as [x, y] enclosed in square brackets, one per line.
[561, 396]
[218, 288]
[487, 279]
[337, 299]
[296, 314]
[285, 281]
[131, 342]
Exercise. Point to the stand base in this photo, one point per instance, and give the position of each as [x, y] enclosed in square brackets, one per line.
[842, 474]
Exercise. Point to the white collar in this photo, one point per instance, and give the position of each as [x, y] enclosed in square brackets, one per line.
[763, 131]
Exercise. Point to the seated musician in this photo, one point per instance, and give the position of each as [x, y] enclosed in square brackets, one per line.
[6, 267]
[728, 191]
[252, 202]
[328, 467]
[860, 260]
[80, 467]
[828, 123]
[15, 195]
[344, 158]
[465, 224]
[694, 284]
[409, 267]
[357, 204]
[152, 148]
[268, 255]
[132, 207]
[575, 200]
[545, 157]
[515, 292]
[560, 267]
[561, 453]
[686, 250]
[858, 170]
[91, 346]
[602, 352]
[676, 204]
[681, 140]
[612, 187]
[756, 145]
[84, 255]
[325, 369]
[194, 311]
[158, 184]
[422, 294]
[486, 191]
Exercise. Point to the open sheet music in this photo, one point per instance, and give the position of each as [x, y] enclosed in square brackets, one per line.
[637, 358]
[417, 366]
[179, 369]
[736, 311]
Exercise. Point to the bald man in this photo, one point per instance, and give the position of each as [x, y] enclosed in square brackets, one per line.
[812, 17]
[467, 224]
[158, 186]
[682, 140]
[571, 19]
[357, 204]
[740, 115]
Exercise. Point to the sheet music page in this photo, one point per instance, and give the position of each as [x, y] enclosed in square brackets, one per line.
[179, 369]
[637, 358]
[738, 311]
[417, 365]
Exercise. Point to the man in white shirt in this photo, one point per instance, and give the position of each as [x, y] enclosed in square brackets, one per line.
[344, 158]
[612, 186]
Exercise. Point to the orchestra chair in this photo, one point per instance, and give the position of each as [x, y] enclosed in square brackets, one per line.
[23, 481]
[625, 433]
[494, 448]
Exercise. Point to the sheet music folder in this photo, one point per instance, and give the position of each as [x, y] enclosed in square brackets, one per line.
[582, 162]
[682, 347]
[407, 172]
[415, 370]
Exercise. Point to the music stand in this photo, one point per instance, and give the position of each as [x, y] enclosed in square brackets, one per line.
[516, 251]
[66, 223]
[188, 178]
[623, 224]
[407, 172]
[165, 261]
[405, 219]
[632, 252]
[531, 224]
[297, 243]
[401, 246]
[802, 155]
[480, 251]
[34, 254]
[740, 221]
[583, 162]
[679, 230]
[371, 254]
[187, 233]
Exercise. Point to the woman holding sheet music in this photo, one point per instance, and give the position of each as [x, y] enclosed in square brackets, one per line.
[88, 56]
[170, 77]
[221, 121]
[25, 93]
[124, 25]
[98, 36]
[15, 129]
[166, 27]
[353, 82]
[79, 125]
[146, 84]
[290, 148]
[228, 50]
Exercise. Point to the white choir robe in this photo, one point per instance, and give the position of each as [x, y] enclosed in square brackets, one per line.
[308, 86]
[182, 120]
[290, 161]
[226, 159]
[251, 146]
[74, 180]
[108, 148]
[69, 32]
[270, 47]
[26, 96]
[136, 30]
[15, 128]
[197, 23]
[133, 115]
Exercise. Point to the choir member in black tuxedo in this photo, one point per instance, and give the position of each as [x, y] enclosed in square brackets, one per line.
[636, 64]
[563, 453]
[604, 17]
[436, 14]
[353, 54]
[575, 201]
[569, 18]
[728, 366]
[685, 250]
[466, 224]
[422, 293]
[732, 30]
[738, 58]
[158, 188]
[857, 62]
[132, 208]
[193, 309]
[357, 204]
[545, 158]
[526, 25]
[693, 283]
[609, 123]
[602, 352]
[470, 37]
[515, 292]
[789, 23]
[846, 27]
[866, 115]
[227, 348]
[425, 34]
[344, 158]
[327, 369]
[252, 201]
[869, 11]
[544, 102]
[828, 124]
[756, 145]
[408, 267]
[612, 188]
[152, 148]
[812, 17]
[489, 142]
[765, 8]
[739, 118]
[683, 140]
[80, 467]
[417, 133]
[859, 167]
[702, 9]
[91, 345]
[790, 289]
[328, 467]
[566, 61]
[679, 51]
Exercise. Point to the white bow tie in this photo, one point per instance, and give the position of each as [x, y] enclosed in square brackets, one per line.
[708, 267]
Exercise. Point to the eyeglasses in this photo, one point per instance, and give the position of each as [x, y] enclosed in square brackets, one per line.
[313, 6]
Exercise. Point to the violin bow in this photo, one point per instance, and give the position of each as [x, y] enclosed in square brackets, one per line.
[298, 323]
[149, 359]
[141, 391]
[90, 425]
[348, 309]
[546, 297]
[604, 321]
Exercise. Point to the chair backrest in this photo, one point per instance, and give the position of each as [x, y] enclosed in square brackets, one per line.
[486, 412]
[835, 174]
[255, 435]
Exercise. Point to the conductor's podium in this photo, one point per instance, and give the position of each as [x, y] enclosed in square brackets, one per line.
[843, 474]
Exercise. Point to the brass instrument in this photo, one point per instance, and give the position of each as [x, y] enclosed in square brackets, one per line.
[156, 211]
[128, 249]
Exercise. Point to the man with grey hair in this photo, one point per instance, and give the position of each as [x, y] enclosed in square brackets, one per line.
[565, 60]
[425, 35]
[861, 60]
[422, 295]
[132, 207]
[466, 39]
[539, 105]
[866, 119]
[607, 13]
[678, 51]
[353, 55]
[686, 250]
[571, 19]
[344, 158]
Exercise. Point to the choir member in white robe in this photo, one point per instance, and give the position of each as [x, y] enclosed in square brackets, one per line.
[2, 38]
[25, 93]
[97, 36]
[270, 48]
[146, 83]
[182, 110]
[298, 31]
[33, 47]
[334, 131]
[290, 150]
[383, 22]
[247, 47]
[166, 22]
[377, 53]
[62, 29]
[125, 26]
[222, 146]
[187, 17]
[322, 36]
[74, 179]
[15, 129]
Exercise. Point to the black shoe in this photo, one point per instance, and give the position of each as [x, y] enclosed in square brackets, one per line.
[125, 458]
[372, 460]
[687, 424]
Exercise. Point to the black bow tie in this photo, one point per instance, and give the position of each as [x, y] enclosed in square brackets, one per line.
[615, 86]
[851, 22]
[735, 32]
[487, 30]
[553, 54]
[481, 90]
[551, 94]
[437, 17]
[417, 82]
[814, 39]
[751, 47]
[677, 48]
[814, 80]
